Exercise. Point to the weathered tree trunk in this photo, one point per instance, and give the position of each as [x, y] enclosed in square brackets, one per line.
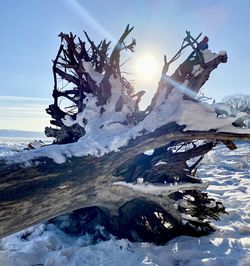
[36, 193]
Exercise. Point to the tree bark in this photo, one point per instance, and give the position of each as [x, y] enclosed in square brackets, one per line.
[44, 189]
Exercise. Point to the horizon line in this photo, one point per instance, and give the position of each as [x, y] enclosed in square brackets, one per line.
[7, 97]
[23, 130]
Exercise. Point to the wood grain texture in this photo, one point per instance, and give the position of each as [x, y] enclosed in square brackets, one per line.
[33, 194]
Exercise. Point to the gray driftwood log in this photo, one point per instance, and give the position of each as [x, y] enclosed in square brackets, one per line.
[30, 195]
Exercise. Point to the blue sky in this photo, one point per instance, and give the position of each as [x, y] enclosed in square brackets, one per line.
[29, 30]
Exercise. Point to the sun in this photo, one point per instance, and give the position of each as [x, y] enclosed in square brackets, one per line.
[146, 67]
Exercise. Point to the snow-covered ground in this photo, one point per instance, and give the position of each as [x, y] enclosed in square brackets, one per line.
[229, 175]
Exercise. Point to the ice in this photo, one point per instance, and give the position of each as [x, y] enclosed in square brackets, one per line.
[45, 244]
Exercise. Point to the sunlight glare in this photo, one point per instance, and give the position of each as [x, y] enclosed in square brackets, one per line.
[146, 68]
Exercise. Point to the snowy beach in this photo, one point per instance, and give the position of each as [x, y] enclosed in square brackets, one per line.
[229, 175]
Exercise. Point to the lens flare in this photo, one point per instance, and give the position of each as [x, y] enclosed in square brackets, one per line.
[89, 19]
[146, 67]
[184, 89]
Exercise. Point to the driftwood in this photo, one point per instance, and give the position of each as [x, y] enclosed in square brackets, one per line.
[38, 190]
[29, 195]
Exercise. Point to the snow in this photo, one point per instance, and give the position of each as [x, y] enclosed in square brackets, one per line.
[149, 152]
[140, 180]
[222, 108]
[228, 173]
[36, 144]
[11, 145]
[208, 55]
[161, 189]
[197, 70]
[105, 132]
[97, 77]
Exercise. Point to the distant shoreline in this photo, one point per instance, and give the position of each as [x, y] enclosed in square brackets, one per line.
[9, 133]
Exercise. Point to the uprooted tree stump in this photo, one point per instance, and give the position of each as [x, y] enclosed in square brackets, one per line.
[106, 177]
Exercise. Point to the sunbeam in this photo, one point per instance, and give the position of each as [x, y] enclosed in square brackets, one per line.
[179, 86]
[89, 19]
